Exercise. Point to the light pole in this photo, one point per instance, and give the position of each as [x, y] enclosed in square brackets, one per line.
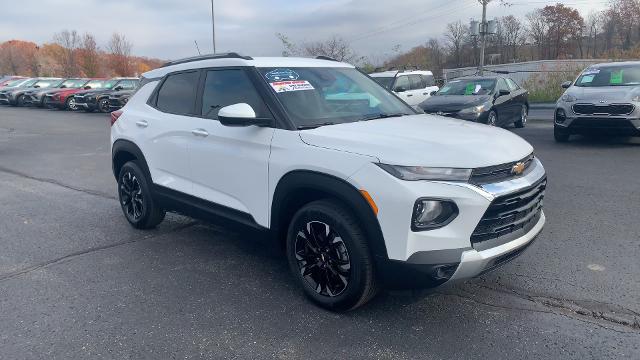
[213, 28]
[483, 34]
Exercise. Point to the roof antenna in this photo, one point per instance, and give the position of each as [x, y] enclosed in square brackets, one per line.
[197, 47]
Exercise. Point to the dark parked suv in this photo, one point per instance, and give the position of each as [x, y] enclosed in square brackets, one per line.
[15, 96]
[37, 97]
[98, 99]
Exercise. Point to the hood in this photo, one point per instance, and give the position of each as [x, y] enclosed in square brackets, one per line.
[423, 140]
[93, 91]
[604, 93]
[453, 103]
[121, 93]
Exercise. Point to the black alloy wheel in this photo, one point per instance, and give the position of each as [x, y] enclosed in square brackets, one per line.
[131, 197]
[524, 114]
[323, 258]
[136, 199]
[103, 105]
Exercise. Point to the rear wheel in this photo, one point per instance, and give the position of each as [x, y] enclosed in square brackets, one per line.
[524, 114]
[136, 199]
[20, 101]
[560, 134]
[71, 104]
[329, 256]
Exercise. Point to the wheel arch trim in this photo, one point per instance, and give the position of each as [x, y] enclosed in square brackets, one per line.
[125, 146]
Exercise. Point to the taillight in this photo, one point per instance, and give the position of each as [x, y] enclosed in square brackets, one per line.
[115, 115]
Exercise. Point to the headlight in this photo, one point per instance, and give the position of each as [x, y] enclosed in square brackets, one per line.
[413, 173]
[636, 98]
[474, 110]
[568, 98]
[431, 214]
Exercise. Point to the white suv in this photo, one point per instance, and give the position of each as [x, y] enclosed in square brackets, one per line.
[361, 190]
[413, 87]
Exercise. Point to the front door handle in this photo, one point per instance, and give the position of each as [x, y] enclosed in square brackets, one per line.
[200, 132]
[409, 95]
[142, 123]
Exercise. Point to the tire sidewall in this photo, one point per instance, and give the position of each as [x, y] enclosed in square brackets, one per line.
[356, 286]
[495, 115]
[147, 200]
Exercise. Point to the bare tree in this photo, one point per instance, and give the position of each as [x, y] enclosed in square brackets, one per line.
[456, 36]
[537, 30]
[69, 41]
[513, 34]
[120, 51]
[89, 56]
[335, 47]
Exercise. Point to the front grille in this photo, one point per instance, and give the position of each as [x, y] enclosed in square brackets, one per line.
[602, 123]
[497, 173]
[509, 216]
[605, 109]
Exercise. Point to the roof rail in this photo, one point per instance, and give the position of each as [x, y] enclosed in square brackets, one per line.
[230, 55]
[322, 57]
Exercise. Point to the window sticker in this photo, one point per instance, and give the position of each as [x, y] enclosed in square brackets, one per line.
[281, 75]
[616, 77]
[586, 79]
[591, 71]
[470, 89]
[286, 86]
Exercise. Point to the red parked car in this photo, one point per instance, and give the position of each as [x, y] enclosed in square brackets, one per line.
[64, 98]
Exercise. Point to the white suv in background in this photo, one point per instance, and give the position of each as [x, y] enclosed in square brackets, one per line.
[413, 87]
[360, 190]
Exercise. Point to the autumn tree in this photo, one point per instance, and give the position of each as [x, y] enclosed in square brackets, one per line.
[69, 41]
[120, 52]
[89, 56]
[565, 24]
[456, 35]
[19, 58]
[513, 35]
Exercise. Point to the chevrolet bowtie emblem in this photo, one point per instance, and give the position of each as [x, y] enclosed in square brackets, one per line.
[518, 168]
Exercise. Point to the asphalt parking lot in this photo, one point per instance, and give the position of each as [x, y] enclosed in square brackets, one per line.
[76, 281]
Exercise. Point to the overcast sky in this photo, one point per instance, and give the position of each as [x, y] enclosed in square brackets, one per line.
[167, 28]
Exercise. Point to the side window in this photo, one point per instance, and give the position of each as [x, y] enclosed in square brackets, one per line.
[416, 82]
[402, 82]
[502, 85]
[127, 84]
[429, 80]
[228, 87]
[178, 93]
[512, 85]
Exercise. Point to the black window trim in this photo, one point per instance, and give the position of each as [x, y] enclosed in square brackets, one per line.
[153, 99]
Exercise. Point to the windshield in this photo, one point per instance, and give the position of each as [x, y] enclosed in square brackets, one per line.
[29, 83]
[324, 96]
[620, 75]
[14, 83]
[384, 81]
[47, 83]
[109, 84]
[73, 83]
[95, 84]
[468, 87]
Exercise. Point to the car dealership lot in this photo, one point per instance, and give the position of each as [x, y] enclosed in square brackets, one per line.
[77, 281]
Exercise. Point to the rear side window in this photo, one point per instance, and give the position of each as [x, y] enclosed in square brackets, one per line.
[127, 84]
[402, 83]
[429, 80]
[417, 82]
[229, 87]
[178, 93]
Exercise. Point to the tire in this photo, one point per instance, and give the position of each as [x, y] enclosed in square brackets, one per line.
[70, 104]
[560, 135]
[345, 261]
[136, 200]
[492, 119]
[103, 105]
[524, 114]
[20, 101]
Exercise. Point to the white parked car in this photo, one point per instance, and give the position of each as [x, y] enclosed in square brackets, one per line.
[413, 87]
[361, 190]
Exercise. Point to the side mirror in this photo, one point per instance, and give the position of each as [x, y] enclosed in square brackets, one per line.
[504, 92]
[117, 88]
[566, 84]
[433, 93]
[399, 89]
[36, 86]
[241, 114]
[87, 87]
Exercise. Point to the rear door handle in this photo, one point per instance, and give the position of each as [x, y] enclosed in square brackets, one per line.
[200, 132]
[142, 123]
[409, 95]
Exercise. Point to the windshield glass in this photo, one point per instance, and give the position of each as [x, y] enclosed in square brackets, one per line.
[324, 96]
[47, 83]
[109, 84]
[384, 81]
[14, 83]
[73, 83]
[29, 83]
[619, 75]
[468, 87]
[95, 84]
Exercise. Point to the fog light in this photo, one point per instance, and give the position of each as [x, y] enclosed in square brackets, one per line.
[431, 214]
[561, 116]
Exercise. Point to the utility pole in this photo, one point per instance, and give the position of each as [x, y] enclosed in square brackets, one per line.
[483, 35]
[213, 28]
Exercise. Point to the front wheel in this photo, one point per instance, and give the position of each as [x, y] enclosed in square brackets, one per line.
[136, 200]
[329, 257]
[103, 105]
[492, 119]
[20, 101]
[71, 104]
[524, 114]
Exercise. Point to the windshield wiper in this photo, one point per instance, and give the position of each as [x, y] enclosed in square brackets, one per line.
[381, 116]
[313, 126]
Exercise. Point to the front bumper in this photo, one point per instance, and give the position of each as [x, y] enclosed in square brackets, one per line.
[616, 125]
[434, 257]
[4, 99]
